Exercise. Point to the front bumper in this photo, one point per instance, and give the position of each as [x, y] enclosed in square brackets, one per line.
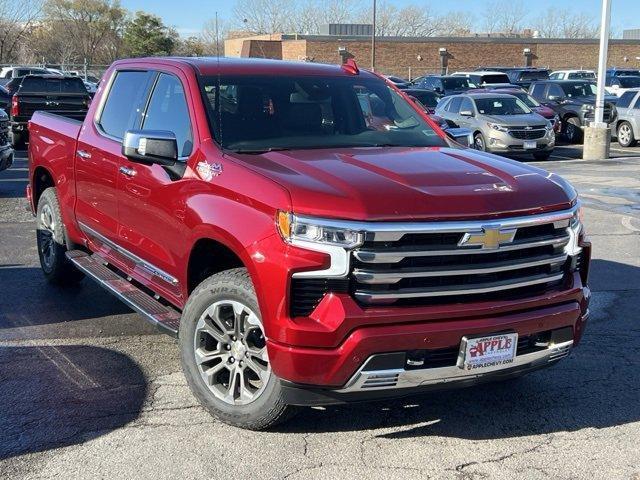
[502, 142]
[6, 157]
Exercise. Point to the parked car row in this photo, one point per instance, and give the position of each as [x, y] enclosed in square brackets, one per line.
[7, 74]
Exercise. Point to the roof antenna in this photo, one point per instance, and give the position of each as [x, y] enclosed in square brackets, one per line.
[218, 96]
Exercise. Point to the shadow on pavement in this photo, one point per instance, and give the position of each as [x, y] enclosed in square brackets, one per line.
[57, 396]
[29, 300]
[598, 386]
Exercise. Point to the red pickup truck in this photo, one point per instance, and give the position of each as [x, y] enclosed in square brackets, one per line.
[307, 233]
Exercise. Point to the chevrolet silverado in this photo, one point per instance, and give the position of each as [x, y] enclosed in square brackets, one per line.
[307, 233]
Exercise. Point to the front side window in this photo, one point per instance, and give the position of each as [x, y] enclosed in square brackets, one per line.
[258, 113]
[625, 99]
[456, 83]
[168, 110]
[125, 102]
[501, 106]
[555, 91]
[538, 90]
[466, 106]
[454, 105]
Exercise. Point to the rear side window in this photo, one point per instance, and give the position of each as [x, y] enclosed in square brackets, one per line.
[454, 105]
[125, 102]
[168, 110]
[625, 99]
[537, 91]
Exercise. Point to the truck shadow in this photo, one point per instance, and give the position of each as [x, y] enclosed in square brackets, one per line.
[29, 300]
[58, 396]
[596, 387]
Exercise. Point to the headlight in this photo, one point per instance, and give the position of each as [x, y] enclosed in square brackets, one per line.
[575, 227]
[495, 126]
[295, 229]
[588, 108]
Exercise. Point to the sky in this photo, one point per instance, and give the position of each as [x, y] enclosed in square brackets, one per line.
[188, 16]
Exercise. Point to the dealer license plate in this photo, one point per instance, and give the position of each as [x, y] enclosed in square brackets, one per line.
[489, 352]
[530, 144]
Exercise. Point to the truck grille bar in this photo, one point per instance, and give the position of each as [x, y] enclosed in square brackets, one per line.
[457, 260]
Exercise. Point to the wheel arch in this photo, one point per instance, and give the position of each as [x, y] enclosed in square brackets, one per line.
[208, 256]
[41, 180]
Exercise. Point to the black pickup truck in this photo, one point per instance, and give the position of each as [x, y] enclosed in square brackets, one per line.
[6, 152]
[66, 96]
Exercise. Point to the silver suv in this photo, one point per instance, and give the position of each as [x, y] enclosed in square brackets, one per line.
[500, 123]
[628, 122]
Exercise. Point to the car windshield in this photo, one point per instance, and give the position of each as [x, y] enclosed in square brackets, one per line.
[494, 78]
[534, 75]
[501, 106]
[455, 83]
[260, 113]
[573, 90]
[52, 85]
[527, 99]
[428, 99]
[629, 82]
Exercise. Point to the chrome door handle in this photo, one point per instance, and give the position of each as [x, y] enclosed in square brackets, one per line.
[83, 154]
[129, 172]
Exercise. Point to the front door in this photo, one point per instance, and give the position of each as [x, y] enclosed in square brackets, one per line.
[151, 217]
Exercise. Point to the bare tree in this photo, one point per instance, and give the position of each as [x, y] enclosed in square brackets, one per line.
[566, 23]
[264, 16]
[504, 16]
[213, 36]
[17, 19]
[454, 24]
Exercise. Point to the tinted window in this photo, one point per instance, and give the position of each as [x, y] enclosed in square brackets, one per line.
[168, 111]
[494, 78]
[454, 105]
[428, 99]
[581, 75]
[534, 75]
[555, 91]
[455, 83]
[52, 85]
[537, 90]
[125, 102]
[629, 82]
[625, 99]
[527, 99]
[261, 112]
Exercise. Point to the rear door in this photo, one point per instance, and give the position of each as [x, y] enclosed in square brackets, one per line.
[151, 218]
[99, 156]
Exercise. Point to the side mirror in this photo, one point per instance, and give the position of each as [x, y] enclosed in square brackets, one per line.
[463, 136]
[466, 113]
[555, 98]
[150, 146]
[437, 89]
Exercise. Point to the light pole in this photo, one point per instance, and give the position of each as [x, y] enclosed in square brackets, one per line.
[597, 136]
[373, 39]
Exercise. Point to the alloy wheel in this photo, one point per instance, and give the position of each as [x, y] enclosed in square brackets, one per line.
[46, 233]
[624, 134]
[230, 352]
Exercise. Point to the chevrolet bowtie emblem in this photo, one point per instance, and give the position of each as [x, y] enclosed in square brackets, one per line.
[491, 237]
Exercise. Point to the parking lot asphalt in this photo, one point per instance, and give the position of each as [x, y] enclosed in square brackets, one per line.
[89, 390]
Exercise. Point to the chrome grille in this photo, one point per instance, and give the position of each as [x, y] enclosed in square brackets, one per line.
[4, 132]
[433, 264]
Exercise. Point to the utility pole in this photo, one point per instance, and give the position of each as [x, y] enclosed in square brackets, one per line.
[597, 136]
[373, 39]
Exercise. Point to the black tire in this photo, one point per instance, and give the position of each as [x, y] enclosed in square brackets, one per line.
[624, 132]
[542, 156]
[266, 410]
[572, 130]
[18, 140]
[479, 142]
[52, 243]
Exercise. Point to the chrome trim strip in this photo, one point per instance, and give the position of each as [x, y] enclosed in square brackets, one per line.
[339, 263]
[401, 378]
[372, 296]
[373, 277]
[395, 256]
[153, 270]
[393, 231]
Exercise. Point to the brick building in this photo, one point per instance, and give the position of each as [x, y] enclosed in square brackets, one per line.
[411, 57]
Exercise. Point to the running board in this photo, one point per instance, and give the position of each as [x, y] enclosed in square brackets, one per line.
[165, 319]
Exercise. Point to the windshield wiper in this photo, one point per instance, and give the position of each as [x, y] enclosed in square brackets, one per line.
[258, 151]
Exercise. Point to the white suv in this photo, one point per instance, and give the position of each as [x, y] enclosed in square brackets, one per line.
[572, 75]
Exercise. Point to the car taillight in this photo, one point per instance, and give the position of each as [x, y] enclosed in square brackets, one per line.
[15, 108]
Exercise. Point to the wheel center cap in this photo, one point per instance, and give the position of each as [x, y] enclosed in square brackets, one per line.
[238, 350]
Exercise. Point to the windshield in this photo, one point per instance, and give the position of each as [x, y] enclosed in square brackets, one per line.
[493, 78]
[629, 82]
[455, 83]
[52, 85]
[428, 99]
[573, 90]
[260, 113]
[501, 106]
[527, 99]
[534, 75]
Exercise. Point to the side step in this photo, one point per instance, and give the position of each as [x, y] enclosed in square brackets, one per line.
[165, 319]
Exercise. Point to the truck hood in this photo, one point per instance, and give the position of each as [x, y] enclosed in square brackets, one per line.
[409, 183]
